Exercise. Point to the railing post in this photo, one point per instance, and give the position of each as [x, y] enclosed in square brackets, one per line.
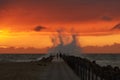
[85, 73]
[87, 70]
[92, 77]
[82, 73]
[89, 74]
[96, 77]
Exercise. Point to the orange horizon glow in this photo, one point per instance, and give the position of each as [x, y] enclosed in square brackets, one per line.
[91, 20]
[39, 39]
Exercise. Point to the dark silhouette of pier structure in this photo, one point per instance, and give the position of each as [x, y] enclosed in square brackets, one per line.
[87, 70]
[66, 67]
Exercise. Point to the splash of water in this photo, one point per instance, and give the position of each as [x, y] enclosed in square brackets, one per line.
[62, 44]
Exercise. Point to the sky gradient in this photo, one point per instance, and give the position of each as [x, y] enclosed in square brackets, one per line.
[95, 21]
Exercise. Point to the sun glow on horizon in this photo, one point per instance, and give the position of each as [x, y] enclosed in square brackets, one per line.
[43, 39]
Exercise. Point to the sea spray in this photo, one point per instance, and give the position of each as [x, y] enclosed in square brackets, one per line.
[61, 45]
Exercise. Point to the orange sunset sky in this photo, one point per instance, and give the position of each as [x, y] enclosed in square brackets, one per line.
[97, 23]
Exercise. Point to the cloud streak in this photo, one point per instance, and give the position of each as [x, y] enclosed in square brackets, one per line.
[107, 18]
[116, 27]
[39, 28]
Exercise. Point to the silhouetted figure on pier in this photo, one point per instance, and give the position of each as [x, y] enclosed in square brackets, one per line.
[60, 55]
[57, 55]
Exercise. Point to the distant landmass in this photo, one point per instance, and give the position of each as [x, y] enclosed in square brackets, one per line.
[23, 50]
[115, 48]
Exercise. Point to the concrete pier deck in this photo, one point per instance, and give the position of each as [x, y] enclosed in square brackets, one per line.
[59, 70]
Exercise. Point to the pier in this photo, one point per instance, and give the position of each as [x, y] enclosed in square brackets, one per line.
[87, 70]
[77, 68]
[63, 67]
[59, 70]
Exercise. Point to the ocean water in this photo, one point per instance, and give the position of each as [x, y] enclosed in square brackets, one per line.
[101, 59]
[20, 57]
[105, 59]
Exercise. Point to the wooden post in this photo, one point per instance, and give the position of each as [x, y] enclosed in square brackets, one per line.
[85, 74]
[89, 74]
[92, 76]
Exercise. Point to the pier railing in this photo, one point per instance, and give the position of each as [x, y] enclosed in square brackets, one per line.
[88, 70]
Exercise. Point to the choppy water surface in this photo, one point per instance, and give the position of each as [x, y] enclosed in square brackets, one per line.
[105, 59]
[102, 59]
[20, 57]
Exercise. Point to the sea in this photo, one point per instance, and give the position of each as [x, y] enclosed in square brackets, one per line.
[101, 59]
[105, 59]
[21, 57]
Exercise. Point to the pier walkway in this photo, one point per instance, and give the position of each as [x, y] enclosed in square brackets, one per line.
[59, 70]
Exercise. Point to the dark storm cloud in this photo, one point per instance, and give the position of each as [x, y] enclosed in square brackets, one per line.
[2, 4]
[116, 27]
[39, 28]
[107, 18]
[65, 10]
